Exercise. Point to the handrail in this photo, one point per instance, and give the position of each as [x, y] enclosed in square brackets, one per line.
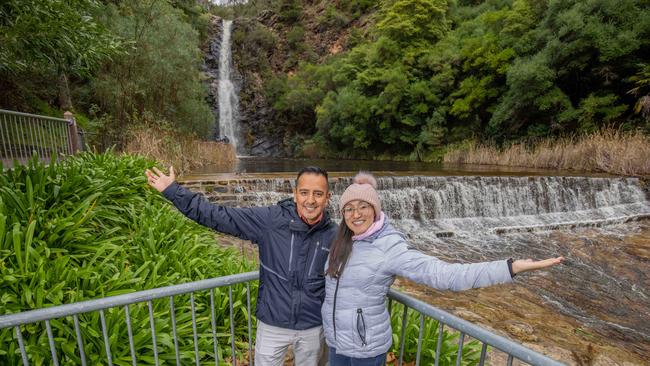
[33, 316]
[24, 136]
[5, 111]
[483, 335]
[511, 348]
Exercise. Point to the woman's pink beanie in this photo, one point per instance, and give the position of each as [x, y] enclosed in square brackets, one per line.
[363, 188]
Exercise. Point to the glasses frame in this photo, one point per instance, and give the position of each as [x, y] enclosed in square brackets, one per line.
[363, 208]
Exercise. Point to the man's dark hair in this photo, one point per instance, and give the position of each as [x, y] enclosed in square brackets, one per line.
[312, 170]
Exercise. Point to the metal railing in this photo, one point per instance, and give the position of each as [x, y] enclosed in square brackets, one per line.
[15, 321]
[23, 135]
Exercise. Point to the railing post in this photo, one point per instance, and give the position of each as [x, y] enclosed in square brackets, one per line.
[73, 133]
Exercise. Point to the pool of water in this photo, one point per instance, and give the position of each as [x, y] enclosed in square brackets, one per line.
[286, 166]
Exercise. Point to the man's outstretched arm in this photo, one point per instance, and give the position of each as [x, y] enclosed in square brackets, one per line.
[246, 223]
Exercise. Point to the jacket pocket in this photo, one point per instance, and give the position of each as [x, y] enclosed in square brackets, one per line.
[360, 328]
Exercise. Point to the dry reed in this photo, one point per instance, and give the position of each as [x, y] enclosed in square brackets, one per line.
[185, 152]
[608, 150]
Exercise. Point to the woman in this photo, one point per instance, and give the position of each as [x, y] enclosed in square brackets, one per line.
[364, 259]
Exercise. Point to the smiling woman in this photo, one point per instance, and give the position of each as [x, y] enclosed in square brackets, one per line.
[366, 256]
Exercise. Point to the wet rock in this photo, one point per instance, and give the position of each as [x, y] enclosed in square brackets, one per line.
[221, 189]
[468, 315]
[521, 331]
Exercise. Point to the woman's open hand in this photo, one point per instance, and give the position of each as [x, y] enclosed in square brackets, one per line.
[523, 265]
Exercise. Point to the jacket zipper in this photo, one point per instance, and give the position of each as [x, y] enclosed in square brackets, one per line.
[313, 259]
[291, 252]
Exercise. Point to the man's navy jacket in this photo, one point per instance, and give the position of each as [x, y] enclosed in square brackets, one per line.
[292, 254]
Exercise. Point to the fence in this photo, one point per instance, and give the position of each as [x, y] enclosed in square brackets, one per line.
[512, 349]
[23, 135]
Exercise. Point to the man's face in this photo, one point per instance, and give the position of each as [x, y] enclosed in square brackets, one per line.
[311, 196]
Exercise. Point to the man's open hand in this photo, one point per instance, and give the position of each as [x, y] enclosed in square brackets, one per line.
[159, 180]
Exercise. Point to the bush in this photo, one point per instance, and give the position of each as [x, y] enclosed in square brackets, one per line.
[295, 38]
[333, 18]
[290, 11]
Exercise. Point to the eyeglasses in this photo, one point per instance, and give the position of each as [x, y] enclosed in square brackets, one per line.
[362, 209]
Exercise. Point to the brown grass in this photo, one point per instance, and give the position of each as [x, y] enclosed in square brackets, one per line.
[609, 150]
[184, 152]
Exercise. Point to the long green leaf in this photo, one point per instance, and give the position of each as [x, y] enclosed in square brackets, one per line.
[18, 252]
[29, 235]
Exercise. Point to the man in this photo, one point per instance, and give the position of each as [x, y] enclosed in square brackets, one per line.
[293, 237]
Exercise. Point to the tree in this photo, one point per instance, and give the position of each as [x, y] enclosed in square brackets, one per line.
[63, 36]
[159, 77]
[409, 20]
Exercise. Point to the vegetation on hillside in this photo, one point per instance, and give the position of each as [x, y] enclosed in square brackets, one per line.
[400, 79]
[418, 75]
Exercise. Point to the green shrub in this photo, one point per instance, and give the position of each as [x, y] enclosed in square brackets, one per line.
[295, 38]
[290, 11]
[333, 18]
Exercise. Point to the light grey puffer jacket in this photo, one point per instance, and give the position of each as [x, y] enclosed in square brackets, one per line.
[369, 273]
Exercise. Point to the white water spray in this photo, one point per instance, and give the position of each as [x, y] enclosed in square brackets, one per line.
[228, 100]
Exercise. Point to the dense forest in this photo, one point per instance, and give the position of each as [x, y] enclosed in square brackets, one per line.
[400, 79]
[411, 77]
[114, 63]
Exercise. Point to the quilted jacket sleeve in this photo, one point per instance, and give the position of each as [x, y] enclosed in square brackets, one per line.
[245, 223]
[414, 265]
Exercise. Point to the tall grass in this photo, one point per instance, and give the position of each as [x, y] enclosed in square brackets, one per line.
[608, 150]
[185, 152]
[90, 227]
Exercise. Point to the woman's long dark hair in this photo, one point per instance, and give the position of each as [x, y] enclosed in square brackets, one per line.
[340, 250]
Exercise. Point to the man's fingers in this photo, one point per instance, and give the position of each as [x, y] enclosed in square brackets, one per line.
[172, 173]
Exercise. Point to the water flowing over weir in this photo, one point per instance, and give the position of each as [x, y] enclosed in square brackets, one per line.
[604, 285]
[474, 205]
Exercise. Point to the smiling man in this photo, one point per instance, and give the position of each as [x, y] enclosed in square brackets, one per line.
[294, 238]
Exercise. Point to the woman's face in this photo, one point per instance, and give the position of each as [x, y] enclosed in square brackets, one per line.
[358, 216]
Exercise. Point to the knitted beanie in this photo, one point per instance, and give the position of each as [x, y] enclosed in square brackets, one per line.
[363, 188]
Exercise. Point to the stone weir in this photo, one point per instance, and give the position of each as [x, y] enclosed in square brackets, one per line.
[449, 204]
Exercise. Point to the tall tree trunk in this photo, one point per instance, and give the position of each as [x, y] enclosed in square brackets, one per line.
[64, 92]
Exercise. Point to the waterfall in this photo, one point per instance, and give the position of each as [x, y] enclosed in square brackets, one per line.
[228, 99]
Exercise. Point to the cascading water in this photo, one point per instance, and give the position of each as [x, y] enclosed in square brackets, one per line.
[228, 99]
[470, 219]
